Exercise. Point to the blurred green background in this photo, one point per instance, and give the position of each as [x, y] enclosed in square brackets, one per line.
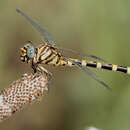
[75, 100]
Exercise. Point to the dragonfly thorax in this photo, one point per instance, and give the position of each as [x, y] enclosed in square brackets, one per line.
[27, 52]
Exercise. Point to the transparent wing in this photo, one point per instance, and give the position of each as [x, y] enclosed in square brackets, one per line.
[82, 54]
[92, 74]
[48, 38]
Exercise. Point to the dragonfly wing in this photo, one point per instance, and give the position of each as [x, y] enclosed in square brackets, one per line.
[82, 54]
[48, 38]
[93, 75]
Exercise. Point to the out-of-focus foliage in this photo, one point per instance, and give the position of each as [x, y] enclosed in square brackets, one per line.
[75, 101]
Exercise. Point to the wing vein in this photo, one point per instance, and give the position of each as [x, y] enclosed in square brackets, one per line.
[48, 38]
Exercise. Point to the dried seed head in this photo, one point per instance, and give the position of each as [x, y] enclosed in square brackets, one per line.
[22, 92]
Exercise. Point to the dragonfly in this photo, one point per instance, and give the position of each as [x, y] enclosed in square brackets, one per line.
[47, 53]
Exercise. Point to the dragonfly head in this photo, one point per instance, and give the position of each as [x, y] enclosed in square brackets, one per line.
[27, 52]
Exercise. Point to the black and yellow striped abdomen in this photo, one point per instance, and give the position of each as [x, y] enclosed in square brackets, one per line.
[100, 65]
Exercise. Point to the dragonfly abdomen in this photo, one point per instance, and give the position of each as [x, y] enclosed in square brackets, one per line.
[105, 66]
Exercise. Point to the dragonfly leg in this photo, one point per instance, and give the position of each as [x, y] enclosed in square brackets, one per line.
[43, 70]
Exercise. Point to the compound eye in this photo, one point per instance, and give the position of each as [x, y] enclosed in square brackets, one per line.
[30, 52]
[28, 44]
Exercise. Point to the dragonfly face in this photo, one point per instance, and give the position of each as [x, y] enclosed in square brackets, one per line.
[27, 52]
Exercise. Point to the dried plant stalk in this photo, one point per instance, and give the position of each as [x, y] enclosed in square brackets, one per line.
[21, 92]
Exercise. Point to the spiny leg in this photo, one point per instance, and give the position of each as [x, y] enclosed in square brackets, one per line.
[49, 74]
[40, 68]
[37, 68]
